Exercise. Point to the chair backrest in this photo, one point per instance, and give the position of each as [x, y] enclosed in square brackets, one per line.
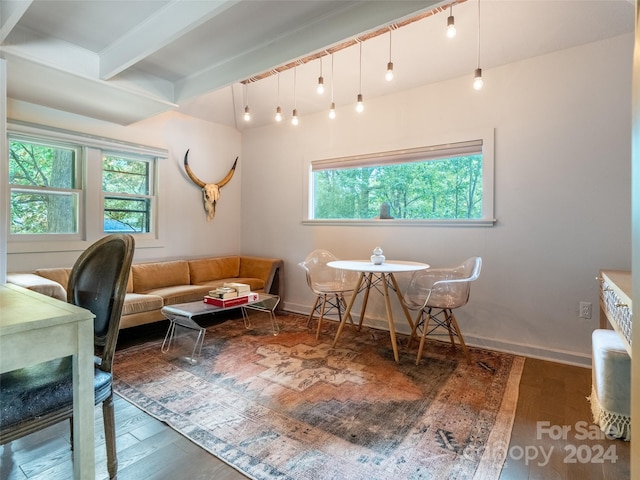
[443, 287]
[324, 279]
[98, 282]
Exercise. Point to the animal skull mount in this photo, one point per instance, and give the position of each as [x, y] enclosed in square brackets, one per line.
[210, 191]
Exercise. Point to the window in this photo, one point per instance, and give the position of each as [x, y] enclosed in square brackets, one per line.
[43, 183]
[126, 183]
[445, 183]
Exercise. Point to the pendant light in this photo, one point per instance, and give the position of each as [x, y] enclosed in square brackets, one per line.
[477, 74]
[389, 74]
[247, 113]
[451, 27]
[278, 116]
[294, 118]
[320, 88]
[332, 108]
[359, 102]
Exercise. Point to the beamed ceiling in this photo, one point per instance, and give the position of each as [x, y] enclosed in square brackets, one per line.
[125, 61]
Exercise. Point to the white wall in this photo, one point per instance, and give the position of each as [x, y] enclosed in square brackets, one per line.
[184, 229]
[562, 193]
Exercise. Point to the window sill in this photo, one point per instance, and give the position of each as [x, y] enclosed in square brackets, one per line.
[402, 223]
[67, 246]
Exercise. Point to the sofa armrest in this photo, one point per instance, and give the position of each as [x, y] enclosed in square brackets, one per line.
[271, 270]
[38, 284]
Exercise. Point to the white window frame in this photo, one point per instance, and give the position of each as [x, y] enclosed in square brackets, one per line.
[78, 190]
[152, 161]
[91, 221]
[430, 149]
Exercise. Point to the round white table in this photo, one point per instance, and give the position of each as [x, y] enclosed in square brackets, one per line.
[371, 276]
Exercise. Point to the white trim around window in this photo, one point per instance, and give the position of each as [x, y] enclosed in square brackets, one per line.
[90, 165]
[456, 143]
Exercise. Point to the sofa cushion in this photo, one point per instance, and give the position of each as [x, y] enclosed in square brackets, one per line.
[150, 276]
[137, 303]
[180, 293]
[60, 275]
[206, 269]
[130, 283]
[38, 284]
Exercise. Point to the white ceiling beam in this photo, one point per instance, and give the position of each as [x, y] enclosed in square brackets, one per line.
[329, 30]
[80, 95]
[10, 14]
[171, 22]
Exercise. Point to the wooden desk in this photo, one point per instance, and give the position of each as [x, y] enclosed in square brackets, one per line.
[370, 277]
[35, 328]
[616, 304]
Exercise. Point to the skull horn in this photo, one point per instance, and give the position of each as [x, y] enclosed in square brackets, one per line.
[199, 182]
[228, 176]
[192, 175]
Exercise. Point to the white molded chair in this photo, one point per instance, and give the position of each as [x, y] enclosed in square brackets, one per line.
[328, 284]
[434, 293]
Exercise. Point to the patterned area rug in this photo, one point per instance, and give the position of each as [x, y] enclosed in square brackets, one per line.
[292, 407]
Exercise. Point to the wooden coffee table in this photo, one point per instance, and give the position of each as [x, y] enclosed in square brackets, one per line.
[187, 315]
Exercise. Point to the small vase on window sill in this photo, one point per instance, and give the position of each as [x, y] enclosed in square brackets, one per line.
[377, 258]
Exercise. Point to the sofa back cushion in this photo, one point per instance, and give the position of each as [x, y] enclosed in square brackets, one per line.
[148, 276]
[60, 275]
[206, 269]
[130, 283]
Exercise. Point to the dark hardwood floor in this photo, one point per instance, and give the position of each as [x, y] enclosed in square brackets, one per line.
[552, 438]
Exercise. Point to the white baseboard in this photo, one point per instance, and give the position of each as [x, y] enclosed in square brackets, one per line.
[522, 349]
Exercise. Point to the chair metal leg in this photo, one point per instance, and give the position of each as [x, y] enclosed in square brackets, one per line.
[450, 330]
[424, 332]
[110, 436]
[454, 322]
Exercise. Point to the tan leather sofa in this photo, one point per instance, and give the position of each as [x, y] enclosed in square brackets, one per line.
[154, 285]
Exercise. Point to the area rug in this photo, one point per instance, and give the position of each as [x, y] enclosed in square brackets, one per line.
[292, 407]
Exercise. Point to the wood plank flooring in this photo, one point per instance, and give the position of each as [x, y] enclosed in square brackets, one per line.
[148, 449]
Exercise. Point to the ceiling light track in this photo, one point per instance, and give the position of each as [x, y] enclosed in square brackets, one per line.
[350, 43]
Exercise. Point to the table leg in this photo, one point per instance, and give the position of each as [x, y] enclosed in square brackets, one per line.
[168, 338]
[274, 323]
[83, 404]
[392, 330]
[404, 307]
[347, 312]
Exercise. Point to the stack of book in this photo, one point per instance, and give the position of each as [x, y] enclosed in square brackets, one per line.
[223, 292]
[231, 294]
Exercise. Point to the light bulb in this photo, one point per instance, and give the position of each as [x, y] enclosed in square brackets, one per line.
[359, 104]
[294, 118]
[477, 79]
[247, 114]
[278, 114]
[332, 111]
[320, 88]
[389, 75]
[451, 28]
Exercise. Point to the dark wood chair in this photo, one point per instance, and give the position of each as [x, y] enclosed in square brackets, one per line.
[37, 397]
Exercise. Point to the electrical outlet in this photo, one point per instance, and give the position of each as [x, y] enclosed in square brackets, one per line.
[585, 310]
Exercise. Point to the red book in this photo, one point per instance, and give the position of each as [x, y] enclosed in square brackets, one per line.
[231, 302]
